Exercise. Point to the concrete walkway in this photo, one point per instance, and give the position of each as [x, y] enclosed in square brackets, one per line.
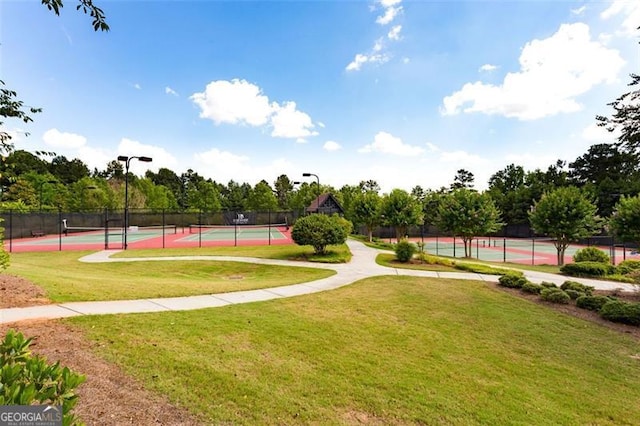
[362, 265]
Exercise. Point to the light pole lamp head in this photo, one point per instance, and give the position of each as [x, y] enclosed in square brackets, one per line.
[145, 159]
[122, 158]
[306, 174]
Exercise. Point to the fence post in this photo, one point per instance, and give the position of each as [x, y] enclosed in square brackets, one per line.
[10, 231]
[163, 225]
[533, 250]
[200, 229]
[59, 228]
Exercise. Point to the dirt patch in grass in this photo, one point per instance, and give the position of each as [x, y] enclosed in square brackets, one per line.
[16, 292]
[109, 396]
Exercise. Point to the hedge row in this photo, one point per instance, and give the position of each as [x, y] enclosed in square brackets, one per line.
[609, 308]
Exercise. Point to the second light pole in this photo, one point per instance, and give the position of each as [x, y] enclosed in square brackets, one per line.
[127, 160]
[318, 180]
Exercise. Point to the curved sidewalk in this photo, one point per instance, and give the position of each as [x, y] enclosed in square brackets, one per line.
[362, 265]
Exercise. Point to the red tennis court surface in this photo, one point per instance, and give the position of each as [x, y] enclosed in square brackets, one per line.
[141, 239]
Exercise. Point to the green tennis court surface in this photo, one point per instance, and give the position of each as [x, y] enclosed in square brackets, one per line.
[526, 250]
[232, 233]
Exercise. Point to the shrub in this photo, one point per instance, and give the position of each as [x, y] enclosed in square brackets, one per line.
[592, 303]
[591, 254]
[405, 251]
[28, 379]
[628, 266]
[630, 278]
[319, 231]
[533, 288]
[576, 286]
[547, 284]
[512, 279]
[587, 269]
[555, 295]
[623, 312]
[574, 294]
[480, 269]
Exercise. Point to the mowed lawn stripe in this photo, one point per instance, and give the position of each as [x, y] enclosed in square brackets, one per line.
[65, 279]
[386, 349]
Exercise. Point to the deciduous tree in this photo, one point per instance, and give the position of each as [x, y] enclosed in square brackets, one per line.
[566, 215]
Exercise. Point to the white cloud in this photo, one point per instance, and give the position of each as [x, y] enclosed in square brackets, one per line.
[241, 102]
[288, 122]
[631, 16]
[224, 166]
[378, 45]
[137, 86]
[95, 158]
[379, 52]
[553, 72]
[394, 33]
[386, 143]
[488, 68]
[331, 146]
[234, 102]
[432, 147]
[461, 158]
[390, 13]
[161, 158]
[321, 124]
[580, 10]
[58, 139]
[361, 59]
[406, 60]
[169, 91]
[599, 134]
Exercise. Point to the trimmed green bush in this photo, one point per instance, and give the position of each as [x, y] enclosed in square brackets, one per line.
[574, 294]
[480, 269]
[587, 269]
[579, 287]
[555, 295]
[319, 231]
[592, 303]
[547, 284]
[512, 279]
[532, 288]
[623, 312]
[591, 254]
[405, 251]
[628, 266]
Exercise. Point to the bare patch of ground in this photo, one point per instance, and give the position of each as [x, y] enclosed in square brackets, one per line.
[16, 292]
[109, 396]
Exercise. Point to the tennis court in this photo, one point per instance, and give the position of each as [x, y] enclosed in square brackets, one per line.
[531, 251]
[167, 236]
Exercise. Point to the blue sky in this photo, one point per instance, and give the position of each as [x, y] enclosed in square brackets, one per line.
[401, 92]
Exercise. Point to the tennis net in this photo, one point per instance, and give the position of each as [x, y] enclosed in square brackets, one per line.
[232, 229]
[153, 229]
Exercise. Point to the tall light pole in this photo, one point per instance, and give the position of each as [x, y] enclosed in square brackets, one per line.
[318, 180]
[127, 160]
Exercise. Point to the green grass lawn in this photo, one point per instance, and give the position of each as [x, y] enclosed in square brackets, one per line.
[392, 350]
[335, 253]
[65, 279]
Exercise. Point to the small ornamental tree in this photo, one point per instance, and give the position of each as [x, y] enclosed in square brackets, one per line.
[366, 210]
[625, 221]
[319, 231]
[401, 210]
[467, 213]
[565, 215]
